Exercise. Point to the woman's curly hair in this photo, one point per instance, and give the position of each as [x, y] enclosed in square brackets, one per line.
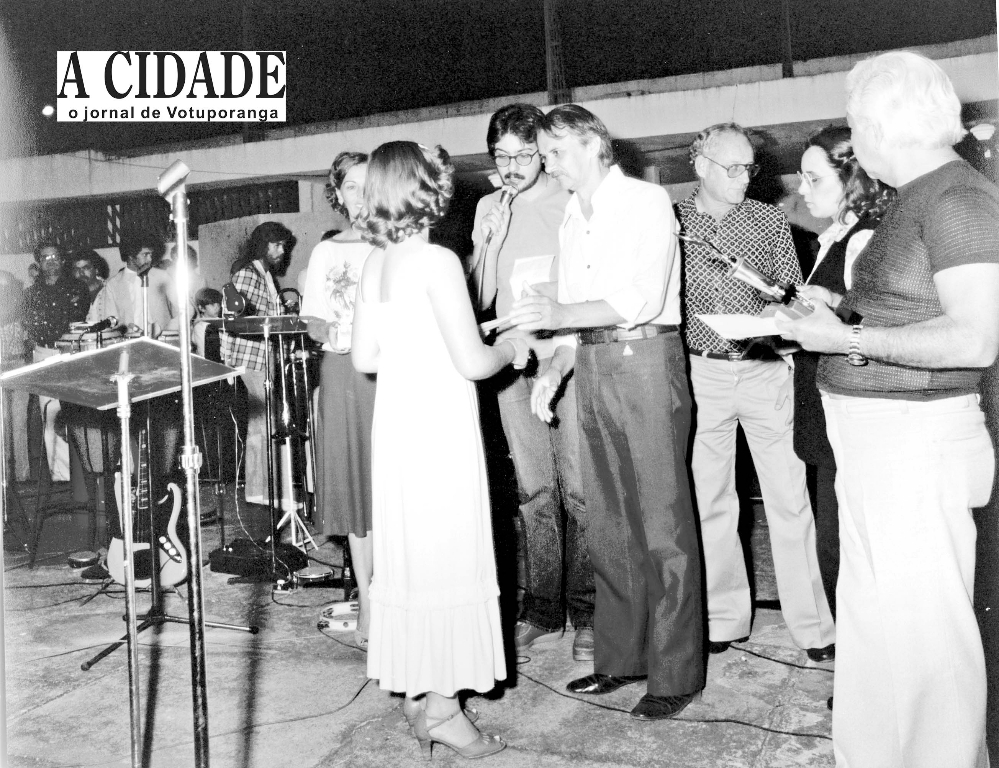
[863, 195]
[338, 172]
[408, 189]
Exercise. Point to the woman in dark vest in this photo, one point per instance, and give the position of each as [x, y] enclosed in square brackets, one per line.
[835, 187]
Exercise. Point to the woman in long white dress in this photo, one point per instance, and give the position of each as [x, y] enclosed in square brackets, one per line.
[435, 623]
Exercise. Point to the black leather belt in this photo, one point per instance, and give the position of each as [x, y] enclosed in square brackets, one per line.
[611, 335]
[753, 353]
[716, 355]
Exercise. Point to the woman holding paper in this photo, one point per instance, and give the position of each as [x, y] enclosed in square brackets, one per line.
[346, 398]
[835, 187]
[435, 623]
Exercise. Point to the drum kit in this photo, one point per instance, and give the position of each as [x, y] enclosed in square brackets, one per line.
[79, 338]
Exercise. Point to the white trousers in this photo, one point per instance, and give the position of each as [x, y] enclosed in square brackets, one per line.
[910, 672]
[726, 394]
[56, 445]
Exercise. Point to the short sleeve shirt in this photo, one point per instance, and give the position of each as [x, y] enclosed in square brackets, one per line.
[946, 218]
[752, 230]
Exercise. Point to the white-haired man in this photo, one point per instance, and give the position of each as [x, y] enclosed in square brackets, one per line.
[912, 452]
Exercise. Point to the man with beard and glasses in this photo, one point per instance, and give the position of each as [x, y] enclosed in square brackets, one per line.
[523, 248]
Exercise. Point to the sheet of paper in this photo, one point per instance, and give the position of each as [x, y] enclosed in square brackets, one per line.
[530, 270]
[741, 326]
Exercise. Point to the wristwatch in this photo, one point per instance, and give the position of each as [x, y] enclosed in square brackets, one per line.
[853, 355]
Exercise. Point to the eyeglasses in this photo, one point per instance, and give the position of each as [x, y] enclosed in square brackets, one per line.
[811, 179]
[522, 158]
[736, 169]
[51, 257]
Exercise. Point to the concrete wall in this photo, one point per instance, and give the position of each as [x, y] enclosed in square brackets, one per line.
[755, 96]
[220, 243]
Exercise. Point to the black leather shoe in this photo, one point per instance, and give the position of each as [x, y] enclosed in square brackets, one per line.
[822, 654]
[720, 646]
[597, 684]
[652, 707]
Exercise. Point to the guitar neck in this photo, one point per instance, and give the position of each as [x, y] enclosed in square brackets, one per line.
[142, 519]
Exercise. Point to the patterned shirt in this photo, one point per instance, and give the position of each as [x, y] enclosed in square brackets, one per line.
[752, 229]
[49, 309]
[262, 299]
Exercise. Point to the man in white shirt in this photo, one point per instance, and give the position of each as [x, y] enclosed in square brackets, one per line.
[619, 289]
[121, 296]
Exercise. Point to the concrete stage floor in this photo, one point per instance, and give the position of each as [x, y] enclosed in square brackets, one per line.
[294, 696]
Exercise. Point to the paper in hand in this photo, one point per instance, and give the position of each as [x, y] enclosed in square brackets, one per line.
[741, 326]
[531, 270]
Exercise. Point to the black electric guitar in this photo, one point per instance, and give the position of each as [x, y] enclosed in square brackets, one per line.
[172, 555]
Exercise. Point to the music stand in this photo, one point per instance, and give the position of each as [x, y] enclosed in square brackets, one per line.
[266, 326]
[117, 375]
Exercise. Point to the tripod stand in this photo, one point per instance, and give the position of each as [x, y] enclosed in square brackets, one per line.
[289, 429]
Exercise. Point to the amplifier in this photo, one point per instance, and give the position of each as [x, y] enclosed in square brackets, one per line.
[242, 557]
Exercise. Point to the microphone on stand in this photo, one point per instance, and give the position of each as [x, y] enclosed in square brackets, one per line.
[103, 325]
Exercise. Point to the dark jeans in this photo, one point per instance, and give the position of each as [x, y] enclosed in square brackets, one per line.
[546, 460]
[634, 418]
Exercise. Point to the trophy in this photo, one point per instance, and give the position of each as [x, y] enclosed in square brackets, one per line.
[794, 304]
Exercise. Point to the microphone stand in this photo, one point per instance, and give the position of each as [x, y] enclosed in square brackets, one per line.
[172, 186]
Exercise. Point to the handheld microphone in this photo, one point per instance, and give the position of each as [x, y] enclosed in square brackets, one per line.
[103, 325]
[506, 197]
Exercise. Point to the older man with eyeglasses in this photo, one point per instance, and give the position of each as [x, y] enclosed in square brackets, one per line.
[737, 382]
[50, 305]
